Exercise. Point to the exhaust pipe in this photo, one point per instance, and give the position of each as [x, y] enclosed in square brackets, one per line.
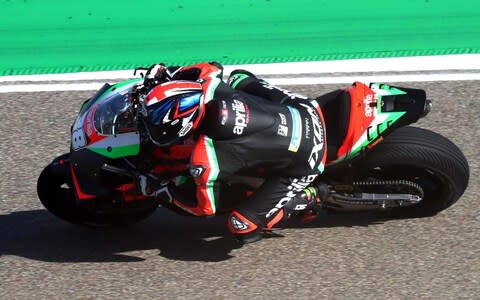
[427, 108]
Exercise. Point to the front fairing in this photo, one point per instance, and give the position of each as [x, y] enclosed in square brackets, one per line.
[104, 130]
[94, 127]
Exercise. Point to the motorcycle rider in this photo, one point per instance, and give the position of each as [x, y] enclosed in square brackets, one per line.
[242, 127]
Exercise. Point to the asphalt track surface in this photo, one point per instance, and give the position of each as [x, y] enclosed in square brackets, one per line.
[172, 257]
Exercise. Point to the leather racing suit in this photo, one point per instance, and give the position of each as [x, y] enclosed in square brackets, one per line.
[254, 129]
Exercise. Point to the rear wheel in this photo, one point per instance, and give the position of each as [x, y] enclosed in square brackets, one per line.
[55, 192]
[421, 157]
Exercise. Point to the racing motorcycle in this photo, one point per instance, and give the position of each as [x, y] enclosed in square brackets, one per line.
[376, 162]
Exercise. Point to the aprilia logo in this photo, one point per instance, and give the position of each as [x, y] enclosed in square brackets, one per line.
[241, 116]
[369, 112]
[296, 186]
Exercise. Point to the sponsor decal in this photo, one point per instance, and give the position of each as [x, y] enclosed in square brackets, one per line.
[307, 128]
[78, 139]
[300, 207]
[224, 113]
[296, 186]
[242, 115]
[317, 137]
[283, 119]
[89, 121]
[369, 111]
[282, 130]
[197, 171]
[185, 129]
[232, 79]
[238, 224]
[296, 130]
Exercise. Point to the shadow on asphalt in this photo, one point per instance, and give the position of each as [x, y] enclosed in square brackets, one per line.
[38, 235]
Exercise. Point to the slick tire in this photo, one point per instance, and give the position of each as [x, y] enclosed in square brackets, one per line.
[426, 158]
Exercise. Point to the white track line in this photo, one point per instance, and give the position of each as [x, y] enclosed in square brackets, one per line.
[398, 64]
[276, 81]
[430, 64]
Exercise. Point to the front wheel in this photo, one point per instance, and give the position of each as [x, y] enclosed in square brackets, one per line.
[54, 189]
[425, 158]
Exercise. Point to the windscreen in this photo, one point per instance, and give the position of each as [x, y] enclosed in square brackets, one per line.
[114, 116]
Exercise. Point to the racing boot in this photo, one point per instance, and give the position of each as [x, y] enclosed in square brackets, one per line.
[306, 204]
[248, 230]
[243, 228]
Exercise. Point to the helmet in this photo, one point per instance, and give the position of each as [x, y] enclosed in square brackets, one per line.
[173, 110]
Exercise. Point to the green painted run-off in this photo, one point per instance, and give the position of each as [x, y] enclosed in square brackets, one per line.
[54, 36]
